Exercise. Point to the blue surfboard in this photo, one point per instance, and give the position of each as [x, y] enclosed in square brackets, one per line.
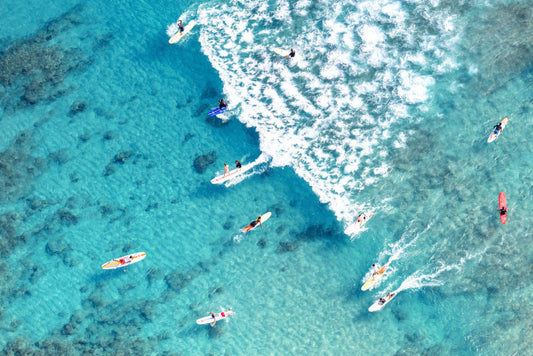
[217, 111]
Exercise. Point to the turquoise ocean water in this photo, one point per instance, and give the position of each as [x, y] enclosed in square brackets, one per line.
[106, 149]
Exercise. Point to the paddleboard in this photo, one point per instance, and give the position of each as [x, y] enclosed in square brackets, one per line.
[494, 135]
[231, 174]
[503, 204]
[178, 35]
[219, 316]
[264, 218]
[376, 277]
[378, 306]
[286, 52]
[124, 260]
[357, 225]
[217, 111]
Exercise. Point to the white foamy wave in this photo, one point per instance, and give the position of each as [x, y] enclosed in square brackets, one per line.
[259, 162]
[332, 115]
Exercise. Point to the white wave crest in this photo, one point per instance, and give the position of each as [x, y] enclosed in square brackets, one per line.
[330, 115]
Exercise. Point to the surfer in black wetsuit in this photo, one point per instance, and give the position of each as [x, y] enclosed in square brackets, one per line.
[498, 127]
[222, 104]
[180, 25]
[256, 221]
[292, 53]
[503, 211]
[238, 164]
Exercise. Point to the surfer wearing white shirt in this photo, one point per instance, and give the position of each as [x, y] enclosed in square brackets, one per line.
[374, 269]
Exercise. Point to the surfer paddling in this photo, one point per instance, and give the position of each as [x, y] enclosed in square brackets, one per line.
[386, 299]
[253, 224]
[256, 221]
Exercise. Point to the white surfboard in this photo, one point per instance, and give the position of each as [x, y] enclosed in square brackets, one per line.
[379, 305]
[494, 135]
[231, 174]
[219, 316]
[358, 224]
[286, 52]
[124, 260]
[179, 35]
[264, 218]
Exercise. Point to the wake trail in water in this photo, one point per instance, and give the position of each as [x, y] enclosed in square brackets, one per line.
[256, 167]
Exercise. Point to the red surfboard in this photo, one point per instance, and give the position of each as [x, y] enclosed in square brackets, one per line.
[503, 204]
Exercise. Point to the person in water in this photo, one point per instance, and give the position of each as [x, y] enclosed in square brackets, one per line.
[256, 221]
[226, 169]
[222, 104]
[238, 164]
[292, 53]
[180, 25]
[214, 319]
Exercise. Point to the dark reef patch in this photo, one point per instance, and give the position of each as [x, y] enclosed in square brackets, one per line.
[18, 169]
[287, 246]
[33, 70]
[119, 158]
[501, 43]
[77, 107]
[202, 162]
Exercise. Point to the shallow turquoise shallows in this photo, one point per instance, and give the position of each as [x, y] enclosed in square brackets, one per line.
[107, 149]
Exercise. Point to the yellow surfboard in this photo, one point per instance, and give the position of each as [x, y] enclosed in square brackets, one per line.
[178, 35]
[374, 278]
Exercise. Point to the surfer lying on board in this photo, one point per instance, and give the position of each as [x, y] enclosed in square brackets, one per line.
[498, 127]
[180, 25]
[292, 53]
[222, 104]
[361, 218]
[388, 297]
[214, 319]
[503, 211]
[238, 164]
[226, 169]
[255, 222]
